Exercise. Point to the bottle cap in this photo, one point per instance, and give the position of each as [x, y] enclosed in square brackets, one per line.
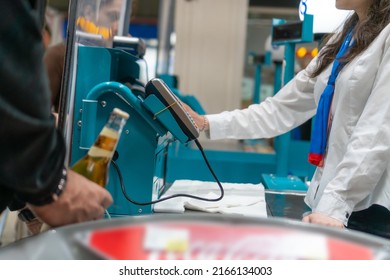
[121, 113]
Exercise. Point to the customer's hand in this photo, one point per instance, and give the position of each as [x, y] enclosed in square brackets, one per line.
[82, 200]
[321, 219]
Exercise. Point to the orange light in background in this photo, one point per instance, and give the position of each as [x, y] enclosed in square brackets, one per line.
[314, 52]
[301, 52]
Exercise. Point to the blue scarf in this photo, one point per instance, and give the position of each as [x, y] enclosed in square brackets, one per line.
[319, 132]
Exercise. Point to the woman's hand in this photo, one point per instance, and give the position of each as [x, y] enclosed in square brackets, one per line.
[200, 121]
[321, 219]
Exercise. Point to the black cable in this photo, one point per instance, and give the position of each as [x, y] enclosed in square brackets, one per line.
[175, 195]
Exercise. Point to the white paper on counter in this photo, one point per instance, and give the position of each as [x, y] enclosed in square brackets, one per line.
[241, 199]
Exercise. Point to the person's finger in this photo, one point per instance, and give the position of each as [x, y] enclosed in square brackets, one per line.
[106, 202]
[100, 215]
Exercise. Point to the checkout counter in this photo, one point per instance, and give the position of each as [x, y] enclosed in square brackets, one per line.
[198, 237]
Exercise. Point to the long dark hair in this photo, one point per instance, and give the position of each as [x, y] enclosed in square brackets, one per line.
[364, 33]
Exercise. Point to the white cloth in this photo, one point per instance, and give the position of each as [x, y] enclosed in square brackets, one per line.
[357, 168]
[240, 199]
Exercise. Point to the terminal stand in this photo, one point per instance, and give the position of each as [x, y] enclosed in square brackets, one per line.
[289, 34]
[142, 150]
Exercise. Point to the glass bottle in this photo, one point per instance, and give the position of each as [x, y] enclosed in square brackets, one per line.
[95, 164]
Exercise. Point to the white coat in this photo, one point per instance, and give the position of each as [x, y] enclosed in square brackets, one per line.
[356, 173]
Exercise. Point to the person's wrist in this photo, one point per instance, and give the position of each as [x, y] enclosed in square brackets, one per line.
[54, 193]
[205, 124]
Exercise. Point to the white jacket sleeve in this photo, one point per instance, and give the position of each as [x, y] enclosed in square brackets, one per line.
[368, 151]
[291, 106]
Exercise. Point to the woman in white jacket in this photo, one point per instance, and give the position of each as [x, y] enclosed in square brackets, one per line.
[351, 147]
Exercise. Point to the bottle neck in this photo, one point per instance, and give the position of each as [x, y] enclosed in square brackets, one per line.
[116, 123]
[107, 141]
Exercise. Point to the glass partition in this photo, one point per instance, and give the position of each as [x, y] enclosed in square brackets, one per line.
[92, 23]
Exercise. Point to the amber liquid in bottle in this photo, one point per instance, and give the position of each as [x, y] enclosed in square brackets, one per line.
[95, 165]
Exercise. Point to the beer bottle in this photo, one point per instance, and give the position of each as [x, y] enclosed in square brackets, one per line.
[95, 165]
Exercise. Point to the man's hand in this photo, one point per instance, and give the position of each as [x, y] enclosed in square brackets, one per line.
[321, 219]
[82, 200]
